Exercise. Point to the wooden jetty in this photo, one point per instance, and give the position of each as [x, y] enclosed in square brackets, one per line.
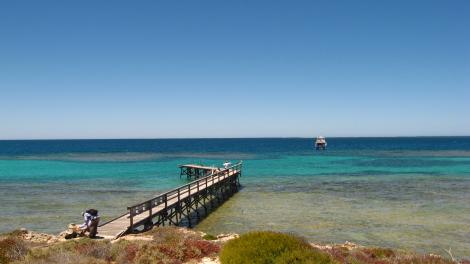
[180, 204]
[195, 171]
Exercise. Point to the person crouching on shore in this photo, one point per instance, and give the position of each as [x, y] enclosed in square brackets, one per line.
[90, 225]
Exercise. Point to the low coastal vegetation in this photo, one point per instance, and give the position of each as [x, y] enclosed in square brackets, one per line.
[278, 248]
[271, 247]
[160, 245]
[178, 245]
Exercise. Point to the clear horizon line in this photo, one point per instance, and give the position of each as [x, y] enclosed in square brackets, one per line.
[273, 137]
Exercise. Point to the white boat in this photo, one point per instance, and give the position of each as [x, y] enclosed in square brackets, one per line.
[320, 143]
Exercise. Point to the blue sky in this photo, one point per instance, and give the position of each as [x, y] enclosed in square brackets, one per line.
[164, 69]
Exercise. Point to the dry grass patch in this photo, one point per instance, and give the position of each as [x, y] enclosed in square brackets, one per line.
[363, 255]
[12, 249]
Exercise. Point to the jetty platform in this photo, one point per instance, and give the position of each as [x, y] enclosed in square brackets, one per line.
[192, 200]
[196, 171]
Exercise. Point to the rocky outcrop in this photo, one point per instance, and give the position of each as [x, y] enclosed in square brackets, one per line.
[73, 231]
[35, 237]
[346, 245]
[222, 238]
[207, 260]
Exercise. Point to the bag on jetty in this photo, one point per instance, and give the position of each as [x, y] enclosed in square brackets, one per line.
[92, 212]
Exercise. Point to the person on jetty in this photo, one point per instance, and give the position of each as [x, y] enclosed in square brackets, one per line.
[227, 164]
[90, 225]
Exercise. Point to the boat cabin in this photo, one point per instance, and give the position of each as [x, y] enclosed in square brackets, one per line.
[320, 143]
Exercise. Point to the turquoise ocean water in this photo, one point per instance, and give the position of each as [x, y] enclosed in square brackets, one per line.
[395, 192]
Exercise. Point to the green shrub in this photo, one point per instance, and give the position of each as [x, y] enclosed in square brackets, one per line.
[271, 247]
[209, 237]
[303, 256]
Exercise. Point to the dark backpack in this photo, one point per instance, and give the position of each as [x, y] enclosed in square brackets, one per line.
[92, 212]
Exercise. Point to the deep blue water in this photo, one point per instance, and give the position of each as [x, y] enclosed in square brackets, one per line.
[399, 192]
[250, 145]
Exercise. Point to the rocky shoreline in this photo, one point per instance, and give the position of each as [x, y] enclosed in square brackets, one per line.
[41, 242]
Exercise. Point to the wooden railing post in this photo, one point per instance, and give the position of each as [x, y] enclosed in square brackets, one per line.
[131, 218]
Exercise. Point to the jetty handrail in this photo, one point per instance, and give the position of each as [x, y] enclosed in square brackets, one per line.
[178, 192]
